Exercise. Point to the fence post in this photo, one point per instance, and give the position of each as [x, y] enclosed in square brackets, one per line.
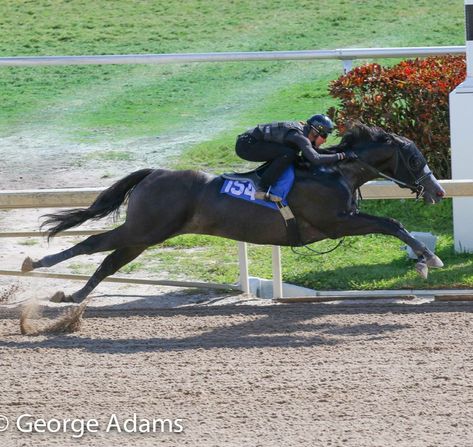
[461, 119]
[347, 65]
[277, 273]
[243, 264]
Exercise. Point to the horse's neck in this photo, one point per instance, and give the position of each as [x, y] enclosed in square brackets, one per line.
[357, 173]
[351, 176]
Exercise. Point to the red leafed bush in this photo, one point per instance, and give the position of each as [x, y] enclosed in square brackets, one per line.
[410, 99]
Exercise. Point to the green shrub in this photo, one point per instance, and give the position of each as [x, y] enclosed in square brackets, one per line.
[410, 99]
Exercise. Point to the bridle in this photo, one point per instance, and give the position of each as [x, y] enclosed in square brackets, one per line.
[415, 186]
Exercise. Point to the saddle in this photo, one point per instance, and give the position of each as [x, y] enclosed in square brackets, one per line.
[253, 176]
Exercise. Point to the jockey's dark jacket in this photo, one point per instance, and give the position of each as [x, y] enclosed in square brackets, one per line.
[294, 135]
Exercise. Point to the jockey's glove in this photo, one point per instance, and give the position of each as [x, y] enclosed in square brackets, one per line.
[350, 155]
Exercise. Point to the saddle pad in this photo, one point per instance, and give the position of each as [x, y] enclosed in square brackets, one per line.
[244, 188]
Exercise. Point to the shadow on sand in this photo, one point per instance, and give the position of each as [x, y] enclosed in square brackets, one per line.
[289, 326]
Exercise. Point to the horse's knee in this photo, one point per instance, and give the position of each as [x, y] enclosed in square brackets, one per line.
[397, 225]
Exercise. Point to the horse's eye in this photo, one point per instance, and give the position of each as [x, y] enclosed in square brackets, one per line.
[416, 163]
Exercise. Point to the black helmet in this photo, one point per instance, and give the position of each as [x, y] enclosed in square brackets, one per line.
[322, 124]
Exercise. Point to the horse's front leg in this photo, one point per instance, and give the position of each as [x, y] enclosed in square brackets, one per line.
[360, 224]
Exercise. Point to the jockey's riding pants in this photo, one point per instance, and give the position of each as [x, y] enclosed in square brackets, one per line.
[253, 149]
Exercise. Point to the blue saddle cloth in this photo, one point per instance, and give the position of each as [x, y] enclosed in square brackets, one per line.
[244, 189]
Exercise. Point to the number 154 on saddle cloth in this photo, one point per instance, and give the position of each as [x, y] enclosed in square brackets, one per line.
[241, 187]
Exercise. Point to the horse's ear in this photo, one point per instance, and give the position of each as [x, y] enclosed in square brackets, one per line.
[353, 126]
[356, 131]
[348, 139]
[397, 140]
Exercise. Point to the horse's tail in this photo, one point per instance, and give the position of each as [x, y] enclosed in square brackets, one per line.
[107, 202]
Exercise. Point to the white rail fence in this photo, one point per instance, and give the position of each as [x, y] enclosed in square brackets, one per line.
[346, 55]
[83, 197]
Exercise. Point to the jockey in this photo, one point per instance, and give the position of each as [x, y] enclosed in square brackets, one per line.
[280, 143]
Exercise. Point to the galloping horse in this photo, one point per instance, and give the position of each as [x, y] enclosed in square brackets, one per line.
[164, 203]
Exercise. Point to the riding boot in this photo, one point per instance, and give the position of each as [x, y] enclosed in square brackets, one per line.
[270, 176]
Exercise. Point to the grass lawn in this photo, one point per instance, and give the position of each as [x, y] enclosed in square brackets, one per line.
[211, 103]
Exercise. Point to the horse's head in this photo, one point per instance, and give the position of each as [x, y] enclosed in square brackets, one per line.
[396, 157]
[412, 169]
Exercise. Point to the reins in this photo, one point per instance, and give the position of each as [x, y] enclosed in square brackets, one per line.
[315, 252]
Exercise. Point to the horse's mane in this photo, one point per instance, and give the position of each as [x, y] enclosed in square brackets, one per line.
[360, 133]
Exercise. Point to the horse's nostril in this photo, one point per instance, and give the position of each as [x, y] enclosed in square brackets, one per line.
[440, 193]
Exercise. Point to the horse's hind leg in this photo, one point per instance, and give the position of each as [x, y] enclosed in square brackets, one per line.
[111, 264]
[106, 241]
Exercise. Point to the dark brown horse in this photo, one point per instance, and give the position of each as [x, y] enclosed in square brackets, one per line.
[163, 203]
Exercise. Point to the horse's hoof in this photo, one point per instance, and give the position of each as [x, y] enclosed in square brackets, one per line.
[422, 269]
[27, 265]
[434, 262]
[60, 297]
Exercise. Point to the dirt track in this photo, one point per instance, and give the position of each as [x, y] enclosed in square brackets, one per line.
[295, 375]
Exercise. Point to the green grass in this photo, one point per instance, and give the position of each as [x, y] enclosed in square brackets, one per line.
[202, 107]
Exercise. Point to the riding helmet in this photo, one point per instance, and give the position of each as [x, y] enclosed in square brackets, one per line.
[322, 124]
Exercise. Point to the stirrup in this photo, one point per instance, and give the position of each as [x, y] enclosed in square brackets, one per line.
[267, 196]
